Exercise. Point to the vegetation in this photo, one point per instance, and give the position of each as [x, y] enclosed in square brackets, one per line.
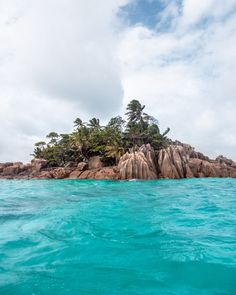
[110, 141]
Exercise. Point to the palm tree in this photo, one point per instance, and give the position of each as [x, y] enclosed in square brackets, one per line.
[78, 123]
[94, 123]
[166, 132]
[134, 111]
[79, 140]
[137, 124]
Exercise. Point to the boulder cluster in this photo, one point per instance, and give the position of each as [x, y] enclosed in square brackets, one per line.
[175, 162]
[183, 162]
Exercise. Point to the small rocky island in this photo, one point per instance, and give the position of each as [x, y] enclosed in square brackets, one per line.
[132, 149]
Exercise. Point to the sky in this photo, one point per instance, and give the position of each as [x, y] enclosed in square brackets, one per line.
[62, 59]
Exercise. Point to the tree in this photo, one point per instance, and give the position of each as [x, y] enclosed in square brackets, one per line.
[137, 125]
[115, 151]
[166, 132]
[134, 111]
[109, 142]
[94, 123]
[116, 123]
[40, 144]
[80, 140]
[53, 136]
[150, 119]
[39, 149]
[78, 123]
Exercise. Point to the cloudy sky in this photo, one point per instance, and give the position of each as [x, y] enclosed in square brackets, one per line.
[62, 59]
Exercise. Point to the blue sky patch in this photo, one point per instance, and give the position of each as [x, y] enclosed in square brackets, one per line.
[142, 11]
[146, 12]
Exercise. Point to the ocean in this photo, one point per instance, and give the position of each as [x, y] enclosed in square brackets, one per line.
[170, 237]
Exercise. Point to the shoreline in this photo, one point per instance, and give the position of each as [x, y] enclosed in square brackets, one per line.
[174, 162]
[117, 180]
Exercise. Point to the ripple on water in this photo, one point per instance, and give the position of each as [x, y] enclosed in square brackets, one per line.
[124, 237]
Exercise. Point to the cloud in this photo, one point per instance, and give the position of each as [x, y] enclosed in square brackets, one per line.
[185, 75]
[195, 11]
[61, 59]
[57, 61]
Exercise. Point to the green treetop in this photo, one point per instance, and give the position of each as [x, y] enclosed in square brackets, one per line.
[110, 141]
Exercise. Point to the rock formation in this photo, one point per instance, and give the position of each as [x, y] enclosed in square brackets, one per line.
[100, 173]
[176, 161]
[138, 164]
[95, 163]
[38, 164]
[10, 170]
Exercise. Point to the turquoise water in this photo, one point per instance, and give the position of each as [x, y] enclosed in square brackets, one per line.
[105, 237]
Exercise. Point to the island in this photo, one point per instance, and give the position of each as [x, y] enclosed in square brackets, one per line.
[134, 148]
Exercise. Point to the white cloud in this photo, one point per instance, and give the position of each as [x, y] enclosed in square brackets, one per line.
[186, 76]
[60, 59]
[194, 11]
[57, 61]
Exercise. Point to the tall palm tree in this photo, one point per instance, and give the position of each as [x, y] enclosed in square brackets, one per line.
[78, 123]
[80, 139]
[94, 123]
[134, 111]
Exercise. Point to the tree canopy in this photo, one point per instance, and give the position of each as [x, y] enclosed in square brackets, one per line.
[110, 141]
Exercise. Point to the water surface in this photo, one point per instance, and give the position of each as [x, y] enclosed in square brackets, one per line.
[105, 237]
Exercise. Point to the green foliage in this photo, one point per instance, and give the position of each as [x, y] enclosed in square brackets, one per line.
[116, 123]
[110, 141]
[78, 123]
[53, 136]
[94, 123]
[134, 111]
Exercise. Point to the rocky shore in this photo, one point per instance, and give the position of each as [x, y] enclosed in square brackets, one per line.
[175, 162]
